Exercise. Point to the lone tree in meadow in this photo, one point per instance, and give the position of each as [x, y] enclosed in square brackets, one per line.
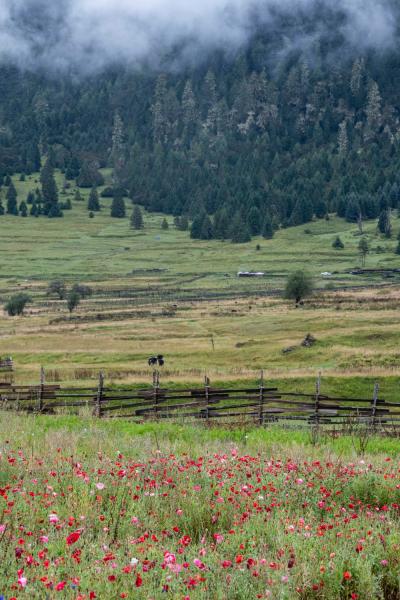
[16, 304]
[337, 243]
[49, 191]
[118, 210]
[93, 201]
[12, 207]
[73, 300]
[299, 285]
[363, 248]
[137, 219]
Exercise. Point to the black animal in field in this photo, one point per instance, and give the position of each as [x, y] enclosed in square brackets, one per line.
[156, 360]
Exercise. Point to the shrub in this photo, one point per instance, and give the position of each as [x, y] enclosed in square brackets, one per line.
[16, 304]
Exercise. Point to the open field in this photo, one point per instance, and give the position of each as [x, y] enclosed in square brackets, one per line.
[95, 510]
[150, 297]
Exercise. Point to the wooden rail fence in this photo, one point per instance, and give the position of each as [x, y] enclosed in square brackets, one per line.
[259, 405]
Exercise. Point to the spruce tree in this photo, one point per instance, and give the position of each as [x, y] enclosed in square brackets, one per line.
[254, 220]
[137, 218]
[12, 207]
[51, 207]
[164, 224]
[23, 209]
[30, 198]
[195, 230]
[118, 210]
[222, 224]
[384, 223]
[239, 232]
[268, 230]
[1, 208]
[207, 230]
[93, 202]
[337, 243]
[34, 210]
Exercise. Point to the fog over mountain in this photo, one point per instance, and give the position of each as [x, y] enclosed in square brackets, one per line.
[88, 35]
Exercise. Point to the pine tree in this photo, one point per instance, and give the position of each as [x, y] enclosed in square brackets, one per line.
[78, 197]
[23, 209]
[384, 223]
[12, 207]
[30, 198]
[222, 224]
[34, 209]
[118, 210]
[239, 232]
[268, 230]
[51, 207]
[254, 220]
[337, 243]
[93, 201]
[137, 218]
[343, 140]
[207, 230]
[197, 224]
[117, 152]
[373, 110]
[164, 224]
[2, 211]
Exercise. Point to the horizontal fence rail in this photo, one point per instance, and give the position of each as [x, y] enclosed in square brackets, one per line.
[260, 405]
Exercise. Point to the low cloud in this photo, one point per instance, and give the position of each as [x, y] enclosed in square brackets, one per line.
[88, 35]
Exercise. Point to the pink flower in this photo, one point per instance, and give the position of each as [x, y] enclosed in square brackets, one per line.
[100, 486]
[44, 539]
[53, 518]
[384, 562]
[60, 586]
[218, 538]
[22, 581]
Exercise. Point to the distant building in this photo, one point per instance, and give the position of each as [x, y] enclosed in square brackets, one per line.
[250, 274]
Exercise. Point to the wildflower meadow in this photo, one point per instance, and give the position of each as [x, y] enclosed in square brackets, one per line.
[145, 517]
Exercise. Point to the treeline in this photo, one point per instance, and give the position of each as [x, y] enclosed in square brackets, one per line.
[238, 146]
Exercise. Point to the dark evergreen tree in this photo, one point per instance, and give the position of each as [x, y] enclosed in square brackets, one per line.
[164, 224]
[12, 207]
[137, 218]
[337, 243]
[254, 220]
[239, 231]
[23, 209]
[118, 210]
[1, 208]
[93, 201]
[51, 206]
[268, 230]
[384, 223]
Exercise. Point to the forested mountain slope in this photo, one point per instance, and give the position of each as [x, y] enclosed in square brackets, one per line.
[242, 142]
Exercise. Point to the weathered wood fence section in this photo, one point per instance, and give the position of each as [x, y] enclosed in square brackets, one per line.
[207, 404]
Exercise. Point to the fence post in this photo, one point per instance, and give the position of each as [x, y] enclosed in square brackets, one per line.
[156, 388]
[374, 404]
[261, 396]
[207, 397]
[41, 390]
[99, 396]
[317, 395]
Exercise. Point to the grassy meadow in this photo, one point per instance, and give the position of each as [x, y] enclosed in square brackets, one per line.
[186, 302]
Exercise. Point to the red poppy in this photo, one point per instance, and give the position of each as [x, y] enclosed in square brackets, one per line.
[347, 575]
[73, 537]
